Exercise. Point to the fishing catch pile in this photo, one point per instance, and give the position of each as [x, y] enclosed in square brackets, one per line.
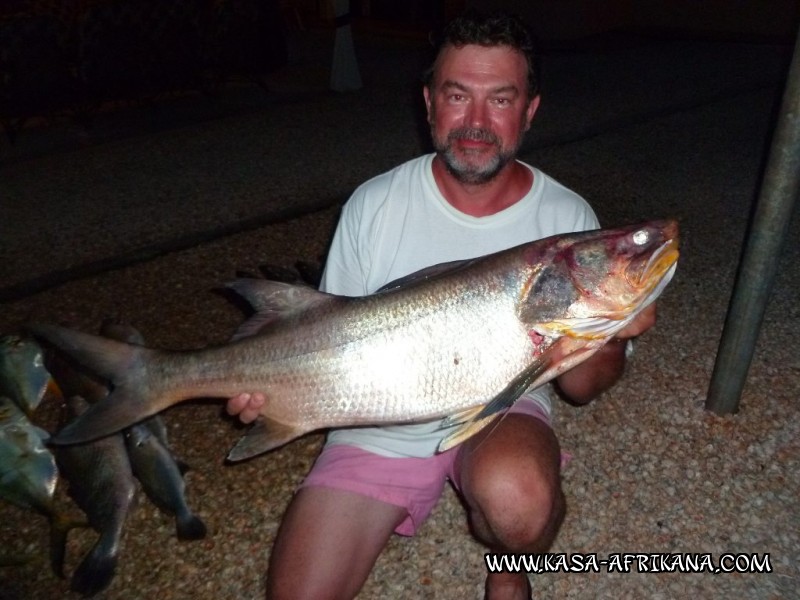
[102, 476]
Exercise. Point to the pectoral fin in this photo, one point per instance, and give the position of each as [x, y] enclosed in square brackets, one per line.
[463, 433]
[462, 416]
[474, 419]
[266, 434]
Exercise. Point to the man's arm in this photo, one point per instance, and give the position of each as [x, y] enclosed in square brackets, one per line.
[584, 382]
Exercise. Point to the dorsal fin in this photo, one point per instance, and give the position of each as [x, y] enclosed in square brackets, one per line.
[426, 273]
[274, 301]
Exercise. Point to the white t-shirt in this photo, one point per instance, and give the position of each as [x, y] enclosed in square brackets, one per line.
[398, 223]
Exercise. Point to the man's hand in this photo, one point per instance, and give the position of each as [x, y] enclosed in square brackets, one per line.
[246, 406]
[641, 323]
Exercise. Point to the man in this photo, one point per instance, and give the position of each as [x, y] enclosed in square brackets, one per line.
[470, 198]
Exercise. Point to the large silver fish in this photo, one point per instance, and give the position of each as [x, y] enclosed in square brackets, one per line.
[464, 339]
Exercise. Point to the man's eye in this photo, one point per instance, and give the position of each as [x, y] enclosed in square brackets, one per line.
[502, 101]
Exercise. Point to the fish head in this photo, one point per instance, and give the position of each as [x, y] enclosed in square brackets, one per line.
[590, 285]
[23, 375]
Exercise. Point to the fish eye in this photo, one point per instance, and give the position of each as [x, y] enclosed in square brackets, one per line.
[641, 237]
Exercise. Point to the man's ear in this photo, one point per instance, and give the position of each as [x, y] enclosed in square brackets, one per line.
[533, 106]
[426, 93]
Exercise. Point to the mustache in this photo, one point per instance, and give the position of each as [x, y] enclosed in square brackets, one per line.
[473, 134]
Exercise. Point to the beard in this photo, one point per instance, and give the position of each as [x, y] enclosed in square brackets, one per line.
[463, 169]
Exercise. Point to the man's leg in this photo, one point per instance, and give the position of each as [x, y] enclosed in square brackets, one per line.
[327, 544]
[509, 476]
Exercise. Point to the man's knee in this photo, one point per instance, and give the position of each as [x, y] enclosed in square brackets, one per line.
[523, 510]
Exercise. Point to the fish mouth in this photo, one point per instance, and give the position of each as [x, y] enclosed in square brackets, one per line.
[652, 273]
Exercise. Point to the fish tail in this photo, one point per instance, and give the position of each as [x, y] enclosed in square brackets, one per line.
[106, 357]
[60, 527]
[190, 527]
[125, 366]
[95, 572]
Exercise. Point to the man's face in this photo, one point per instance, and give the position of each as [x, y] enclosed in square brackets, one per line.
[478, 109]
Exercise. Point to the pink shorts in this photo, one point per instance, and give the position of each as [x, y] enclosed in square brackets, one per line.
[415, 484]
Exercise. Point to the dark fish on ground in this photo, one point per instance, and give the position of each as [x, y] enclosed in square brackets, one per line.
[162, 480]
[28, 476]
[464, 339]
[152, 462]
[101, 483]
[23, 375]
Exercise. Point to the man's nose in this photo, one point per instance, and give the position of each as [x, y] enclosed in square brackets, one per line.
[476, 115]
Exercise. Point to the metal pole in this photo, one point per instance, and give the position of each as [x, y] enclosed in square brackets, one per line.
[762, 251]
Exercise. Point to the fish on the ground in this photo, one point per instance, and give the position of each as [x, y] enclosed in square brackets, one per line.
[23, 375]
[464, 339]
[151, 460]
[101, 483]
[28, 476]
[162, 479]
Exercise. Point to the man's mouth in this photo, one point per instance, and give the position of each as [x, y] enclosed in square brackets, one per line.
[477, 138]
[472, 147]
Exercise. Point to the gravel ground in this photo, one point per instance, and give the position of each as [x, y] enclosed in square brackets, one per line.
[652, 471]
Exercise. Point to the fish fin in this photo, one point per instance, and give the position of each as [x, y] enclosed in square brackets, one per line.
[464, 432]
[462, 416]
[513, 390]
[42, 434]
[124, 365]
[426, 273]
[122, 408]
[274, 301]
[103, 356]
[60, 526]
[190, 527]
[265, 434]
[54, 389]
[585, 327]
[472, 420]
[95, 572]
[119, 330]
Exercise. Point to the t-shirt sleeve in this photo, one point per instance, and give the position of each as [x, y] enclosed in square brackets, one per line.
[345, 268]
